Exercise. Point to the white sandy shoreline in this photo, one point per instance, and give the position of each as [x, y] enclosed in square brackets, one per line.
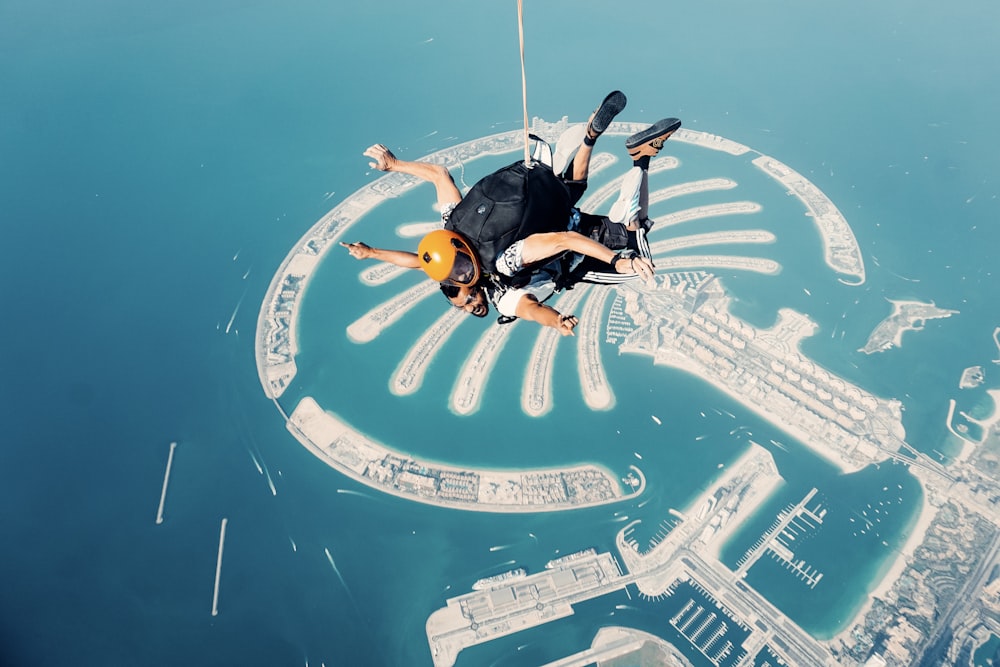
[890, 576]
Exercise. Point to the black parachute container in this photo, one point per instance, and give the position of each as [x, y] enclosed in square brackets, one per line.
[510, 204]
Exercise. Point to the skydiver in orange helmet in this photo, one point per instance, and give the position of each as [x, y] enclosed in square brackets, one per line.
[448, 258]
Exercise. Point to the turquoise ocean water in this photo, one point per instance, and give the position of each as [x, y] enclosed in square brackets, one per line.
[157, 163]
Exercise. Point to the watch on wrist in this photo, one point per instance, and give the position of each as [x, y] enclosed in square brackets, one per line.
[627, 253]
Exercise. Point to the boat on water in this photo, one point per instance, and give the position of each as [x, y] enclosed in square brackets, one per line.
[499, 579]
[570, 557]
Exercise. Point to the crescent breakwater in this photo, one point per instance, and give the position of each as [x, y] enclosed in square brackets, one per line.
[386, 470]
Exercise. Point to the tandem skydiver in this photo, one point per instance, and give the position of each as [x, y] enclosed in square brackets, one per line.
[522, 275]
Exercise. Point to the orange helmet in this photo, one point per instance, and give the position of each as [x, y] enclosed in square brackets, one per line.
[447, 257]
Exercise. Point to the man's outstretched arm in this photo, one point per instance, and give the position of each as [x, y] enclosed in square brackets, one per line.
[436, 174]
[543, 246]
[359, 250]
[528, 308]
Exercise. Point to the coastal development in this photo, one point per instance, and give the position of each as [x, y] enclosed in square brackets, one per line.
[386, 470]
[724, 618]
[685, 323]
[940, 601]
[277, 346]
[942, 596]
[846, 425]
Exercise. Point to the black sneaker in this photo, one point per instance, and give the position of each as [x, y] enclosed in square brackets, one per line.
[610, 107]
[651, 140]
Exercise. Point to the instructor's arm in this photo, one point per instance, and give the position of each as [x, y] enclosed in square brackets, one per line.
[539, 247]
[359, 250]
[436, 174]
[528, 308]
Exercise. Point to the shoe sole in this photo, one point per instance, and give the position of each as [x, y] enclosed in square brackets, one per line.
[610, 107]
[653, 136]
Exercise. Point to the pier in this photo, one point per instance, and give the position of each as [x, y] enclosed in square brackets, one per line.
[218, 567]
[166, 478]
[768, 540]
